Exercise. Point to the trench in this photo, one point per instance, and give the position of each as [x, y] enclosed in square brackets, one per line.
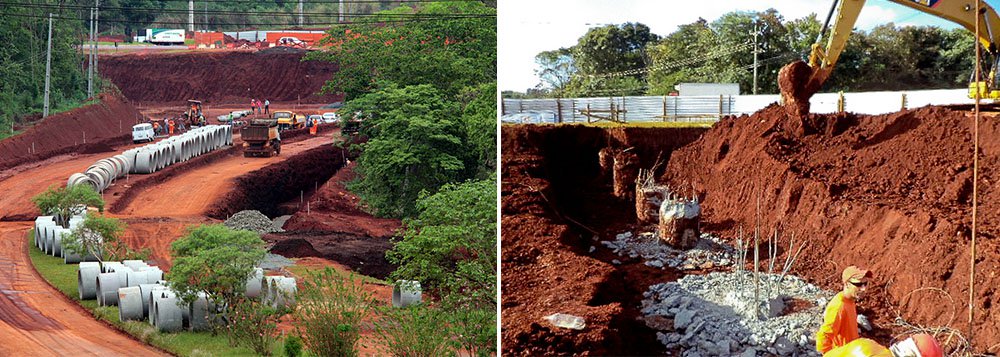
[583, 193]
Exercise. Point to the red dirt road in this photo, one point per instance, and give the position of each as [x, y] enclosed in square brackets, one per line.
[37, 320]
[201, 186]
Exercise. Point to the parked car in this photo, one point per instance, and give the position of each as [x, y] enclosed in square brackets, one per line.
[330, 117]
[291, 41]
[315, 119]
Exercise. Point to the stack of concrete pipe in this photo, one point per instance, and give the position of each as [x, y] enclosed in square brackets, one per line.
[153, 157]
[48, 238]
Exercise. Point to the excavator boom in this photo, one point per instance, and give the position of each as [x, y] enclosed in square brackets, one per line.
[798, 81]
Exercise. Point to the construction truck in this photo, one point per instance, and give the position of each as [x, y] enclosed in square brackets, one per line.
[289, 120]
[194, 116]
[799, 81]
[261, 138]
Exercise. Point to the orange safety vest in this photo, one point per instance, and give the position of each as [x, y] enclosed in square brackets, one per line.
[861, 347]
[840, 324]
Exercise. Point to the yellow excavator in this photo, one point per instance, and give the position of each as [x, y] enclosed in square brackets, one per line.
[798, 81]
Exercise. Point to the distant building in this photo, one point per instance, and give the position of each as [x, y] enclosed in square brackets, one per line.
[696, 89]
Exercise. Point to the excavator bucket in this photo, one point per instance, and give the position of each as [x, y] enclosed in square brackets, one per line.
[798, 82]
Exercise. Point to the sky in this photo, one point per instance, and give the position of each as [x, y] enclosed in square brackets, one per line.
[527, 27]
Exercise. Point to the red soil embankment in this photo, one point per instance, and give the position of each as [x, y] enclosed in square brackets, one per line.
[101, 125]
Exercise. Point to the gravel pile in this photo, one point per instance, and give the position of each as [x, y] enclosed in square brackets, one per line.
[709, 252]
[274, 262]
[713, 315]
[252, 221]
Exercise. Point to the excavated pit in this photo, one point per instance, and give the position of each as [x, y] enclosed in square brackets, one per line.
[555, 198]
[889, 192]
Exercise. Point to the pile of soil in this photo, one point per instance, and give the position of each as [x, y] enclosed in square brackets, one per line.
[219, 77]
[363, 255]
[107, 123]
[889, 192]
[555, 202]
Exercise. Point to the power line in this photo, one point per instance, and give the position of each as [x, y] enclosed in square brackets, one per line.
[181, 23]
[49, 7]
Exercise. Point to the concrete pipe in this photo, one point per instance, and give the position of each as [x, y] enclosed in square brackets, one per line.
[201, 313]
[144, 162]
[70, 257]
[406, 293]
[55, 248]
[135, 277]
[178, 151]
[123, 163]
[86, 280]
[254, 283]
[109, 267]
[282, 292]
[107, 289]
[135, 264]
[122, 272]
[43, 242]
[155, 292]
[129, 304]
[129, 156]
[97, 179]
[144, 291]
[76, 220]
[76, 179]
[40, 223]
[153, 274]
[168, 312]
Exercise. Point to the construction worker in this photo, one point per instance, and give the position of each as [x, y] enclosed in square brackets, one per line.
[919, 345]
[170, 125]
[840, 321]
[156, 128]
[267, 103]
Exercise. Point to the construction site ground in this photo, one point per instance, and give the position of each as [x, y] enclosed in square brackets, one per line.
[305, 180]
[891, 192]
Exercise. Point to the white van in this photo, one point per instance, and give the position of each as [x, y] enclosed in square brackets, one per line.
[142, 132]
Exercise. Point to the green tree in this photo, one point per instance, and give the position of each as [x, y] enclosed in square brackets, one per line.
[609, 60]
[479, 120]
[415, 144]
[101, 237]
[452, 251]
[64, 201]
[555, 69]
[448, 53]
[216, 260]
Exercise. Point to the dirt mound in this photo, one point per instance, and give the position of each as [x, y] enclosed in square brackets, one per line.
[555, 200]
[335, 209]
[219, 77]
[889, 192]
[104, 124]
[363, 255]
[295, 248]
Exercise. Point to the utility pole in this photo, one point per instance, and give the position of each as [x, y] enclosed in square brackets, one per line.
[48, 70]
[90, 57]
[97, 27]
[206, 16]
[341, 11]
[300, 13]
[191, 15]
[756, 32]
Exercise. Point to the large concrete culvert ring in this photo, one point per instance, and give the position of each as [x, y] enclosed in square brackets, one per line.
[254, 283]
[169, 316]
[154, 292]
[41, 222]
[144, 292]
[129, 303]
[86, 280]
[200, 312]
[107, 289]
[406, 293]
[280, 291]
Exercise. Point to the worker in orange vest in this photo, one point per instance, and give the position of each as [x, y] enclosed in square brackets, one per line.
[840, 320]
[171, 126]
[919, 345]
[156, 128]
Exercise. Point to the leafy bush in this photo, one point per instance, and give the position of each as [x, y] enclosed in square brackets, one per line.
[331, 309]
[415, 331]
[62, 201]
[253, 324]
[475, 330]
[216, 260]
[293, 346]
[100, 236]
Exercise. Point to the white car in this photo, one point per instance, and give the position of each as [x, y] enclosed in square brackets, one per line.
[291, 41]
[142, 132]
[330, 117]
[315, 118]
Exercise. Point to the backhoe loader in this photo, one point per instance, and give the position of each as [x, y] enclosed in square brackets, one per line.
[798, 81]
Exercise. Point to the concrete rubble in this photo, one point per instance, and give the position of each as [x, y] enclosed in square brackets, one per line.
[709, 315]
[708, 252]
